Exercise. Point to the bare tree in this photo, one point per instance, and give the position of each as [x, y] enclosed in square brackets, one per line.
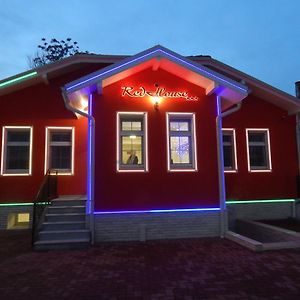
[54, 50]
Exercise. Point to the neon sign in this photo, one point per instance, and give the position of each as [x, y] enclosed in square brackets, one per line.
[159, 92]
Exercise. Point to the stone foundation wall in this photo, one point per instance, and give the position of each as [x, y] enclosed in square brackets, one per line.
[153, 226]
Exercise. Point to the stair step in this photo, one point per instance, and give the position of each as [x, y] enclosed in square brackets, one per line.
[61, 244]
[63, 225]
[65, 217]
[48, 235]
[53, 209]
[68, 202]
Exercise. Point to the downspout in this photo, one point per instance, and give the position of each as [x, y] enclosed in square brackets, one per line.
[222, 191]
[91, 157]
[297, 90]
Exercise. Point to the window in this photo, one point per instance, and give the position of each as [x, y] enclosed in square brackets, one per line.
[258, 150]
[60, 150]
[132, 142]
[181, 142]
[18, 220]
[16, 150]
[229, 150]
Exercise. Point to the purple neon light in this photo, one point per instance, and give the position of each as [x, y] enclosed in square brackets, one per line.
[158, 211]
[89, 179]
[149, 54]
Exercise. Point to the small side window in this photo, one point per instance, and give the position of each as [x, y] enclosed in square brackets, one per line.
[229, 150]
[16, 150]
[60, 150]
[258, 150]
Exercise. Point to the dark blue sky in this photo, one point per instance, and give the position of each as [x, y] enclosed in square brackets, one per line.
[259, 37]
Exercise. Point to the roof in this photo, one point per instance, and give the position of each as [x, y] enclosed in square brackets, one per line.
[256, 87]
[159, 57]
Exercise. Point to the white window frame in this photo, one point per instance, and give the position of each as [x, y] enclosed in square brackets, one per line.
[191, 118]
[268, 150]
[234, 152]
[47, 149]
[4, 171]
[144, 116]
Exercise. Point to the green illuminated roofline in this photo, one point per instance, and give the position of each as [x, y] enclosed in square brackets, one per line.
[17, 79]
[259, 201]
[20, 204]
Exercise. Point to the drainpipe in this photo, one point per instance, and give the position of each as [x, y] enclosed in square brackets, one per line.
[91, 164]
[222, 191]
[297, 90]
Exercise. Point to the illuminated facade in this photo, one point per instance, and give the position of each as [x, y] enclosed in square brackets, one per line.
[157, 141]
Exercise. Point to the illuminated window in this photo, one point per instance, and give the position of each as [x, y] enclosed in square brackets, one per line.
[60, 149]
[258, 150]
[18, 221]
[229, 150]
[181, 142]
[132, 142]
[16, 150]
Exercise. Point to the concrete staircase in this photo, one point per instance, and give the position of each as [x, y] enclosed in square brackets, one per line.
[64, 226]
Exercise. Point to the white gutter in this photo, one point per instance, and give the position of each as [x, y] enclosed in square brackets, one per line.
[222, 191]
[91, 162]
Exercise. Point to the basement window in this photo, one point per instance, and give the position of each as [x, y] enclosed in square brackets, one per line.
[18, 220]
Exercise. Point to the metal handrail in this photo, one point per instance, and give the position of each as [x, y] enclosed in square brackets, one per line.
[46, 192]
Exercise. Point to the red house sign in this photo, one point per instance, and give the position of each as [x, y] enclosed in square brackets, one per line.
[159, 92]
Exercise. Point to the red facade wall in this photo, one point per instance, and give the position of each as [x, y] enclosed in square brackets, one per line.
[281, 182]
[158, 188]
[40, 106]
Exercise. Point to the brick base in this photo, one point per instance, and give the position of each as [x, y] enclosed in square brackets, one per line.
[155, 226]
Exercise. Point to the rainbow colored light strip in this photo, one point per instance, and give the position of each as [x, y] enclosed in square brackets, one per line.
[17, 79]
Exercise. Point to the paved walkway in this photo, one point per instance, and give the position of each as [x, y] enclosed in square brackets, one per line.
[208, 268]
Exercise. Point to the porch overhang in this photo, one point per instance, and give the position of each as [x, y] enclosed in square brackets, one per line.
[156, 58]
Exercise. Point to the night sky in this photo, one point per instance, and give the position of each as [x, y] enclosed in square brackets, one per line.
[258, 37]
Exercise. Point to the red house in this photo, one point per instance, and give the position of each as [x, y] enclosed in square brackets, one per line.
[149, 146]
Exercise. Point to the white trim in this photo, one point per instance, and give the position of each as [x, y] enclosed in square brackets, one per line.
[47, 145]
[194, 142]
[235, 164]
[145, 142]
[3, 150]
[269, 167]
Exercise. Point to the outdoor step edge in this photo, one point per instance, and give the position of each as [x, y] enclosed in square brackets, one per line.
[68, 199]
[67, 214]
[65, 231]
[63, 223]
[71, 241]
[69, 206]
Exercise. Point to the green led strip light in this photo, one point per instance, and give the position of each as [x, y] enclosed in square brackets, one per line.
[20, 204]
[260, 201]
[20, 78]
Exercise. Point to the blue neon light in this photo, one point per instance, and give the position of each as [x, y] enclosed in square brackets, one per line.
[89, 179]
[149, 54]
[157, 211]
